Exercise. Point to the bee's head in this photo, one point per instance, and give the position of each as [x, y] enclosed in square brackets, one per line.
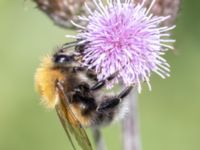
[65, 58]
[68, 55]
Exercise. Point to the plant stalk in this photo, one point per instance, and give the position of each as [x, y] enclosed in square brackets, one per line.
[98, 139]
[130, 124]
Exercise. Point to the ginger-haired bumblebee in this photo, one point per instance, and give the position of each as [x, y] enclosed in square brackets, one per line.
[76, 94]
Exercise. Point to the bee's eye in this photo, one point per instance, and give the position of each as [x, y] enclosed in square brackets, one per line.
[63, 58]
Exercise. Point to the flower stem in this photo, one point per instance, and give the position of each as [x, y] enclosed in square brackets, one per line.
[98, 139]
[130, 125]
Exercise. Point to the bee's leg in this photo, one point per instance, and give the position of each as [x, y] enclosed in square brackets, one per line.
[101, 83]
[82, 88]
[111, 103]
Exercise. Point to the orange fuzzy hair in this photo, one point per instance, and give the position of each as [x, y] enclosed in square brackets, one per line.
[45, 79]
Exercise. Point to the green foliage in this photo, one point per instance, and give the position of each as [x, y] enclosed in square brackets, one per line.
[169, 115]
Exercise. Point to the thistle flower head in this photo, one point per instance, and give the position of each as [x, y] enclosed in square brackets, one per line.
[125, 37]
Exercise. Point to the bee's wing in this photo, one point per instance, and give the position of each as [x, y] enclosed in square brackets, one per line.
[63, 122]
[70, 123]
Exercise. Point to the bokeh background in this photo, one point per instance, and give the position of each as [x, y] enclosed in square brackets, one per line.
[169, 115]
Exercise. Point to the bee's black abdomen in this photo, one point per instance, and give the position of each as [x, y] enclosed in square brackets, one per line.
[88, 103]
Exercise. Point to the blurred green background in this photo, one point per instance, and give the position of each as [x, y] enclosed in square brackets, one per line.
[169, 115]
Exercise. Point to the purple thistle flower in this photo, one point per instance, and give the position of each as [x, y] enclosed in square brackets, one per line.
[125, 37]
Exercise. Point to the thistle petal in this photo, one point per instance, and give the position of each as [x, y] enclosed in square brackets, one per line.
[125, 37]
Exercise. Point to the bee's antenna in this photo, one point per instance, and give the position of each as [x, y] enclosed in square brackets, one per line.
[65, 46]
[70, 44]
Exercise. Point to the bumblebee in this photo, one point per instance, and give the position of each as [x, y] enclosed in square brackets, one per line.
[76, 94]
